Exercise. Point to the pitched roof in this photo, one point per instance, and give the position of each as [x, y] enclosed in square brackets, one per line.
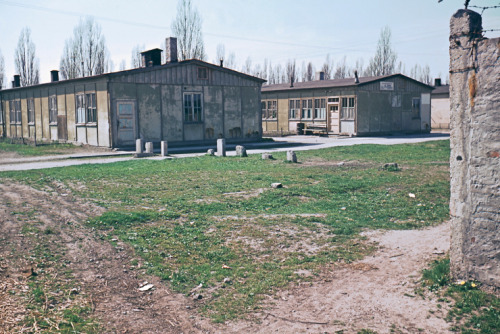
[444, 89]
[346, 82]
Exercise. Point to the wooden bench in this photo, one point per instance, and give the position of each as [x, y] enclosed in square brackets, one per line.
[316, 129]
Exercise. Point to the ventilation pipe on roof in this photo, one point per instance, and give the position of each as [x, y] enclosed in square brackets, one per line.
[54, 76]
[221, 62]
[17, 81]
[292, 79]
[356, 79]
[320, 75]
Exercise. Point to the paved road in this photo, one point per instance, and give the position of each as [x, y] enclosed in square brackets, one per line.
[295, 143]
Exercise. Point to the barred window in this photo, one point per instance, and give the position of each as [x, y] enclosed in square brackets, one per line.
[31, 111]
[53, 109]
[347, 111]
[193, 107]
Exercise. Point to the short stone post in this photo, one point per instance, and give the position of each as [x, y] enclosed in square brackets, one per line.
[138, 146]
[221, 147]
[267, 156]
[241, 151]
[291, 156]
[211, 152]
[149, 147]
[164, 148]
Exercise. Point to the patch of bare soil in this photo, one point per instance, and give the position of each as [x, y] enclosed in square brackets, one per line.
[377, 293]
[101, 270]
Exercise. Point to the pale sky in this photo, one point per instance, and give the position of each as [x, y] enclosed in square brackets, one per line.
[274, 29]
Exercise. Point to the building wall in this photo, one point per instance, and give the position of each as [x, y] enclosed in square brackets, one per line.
[475, 151]
[41, 129]
[440, 117]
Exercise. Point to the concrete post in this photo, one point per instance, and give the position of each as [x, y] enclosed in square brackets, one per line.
[149, 147]
[475, 152]
[221, 147]
[291, 156]
[164, 148]
[138, 146]
[241, 151]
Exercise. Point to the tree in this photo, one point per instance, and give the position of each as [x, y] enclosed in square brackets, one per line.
[291, 73]
[327, 67]
[310, 72]
[384, 61]
[135, 60]
[2, 69]
[187, 28]
[85, 54]
[342, 71]
[247, 67]
[27, 66]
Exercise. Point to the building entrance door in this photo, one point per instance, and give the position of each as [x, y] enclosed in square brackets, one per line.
[125, 116]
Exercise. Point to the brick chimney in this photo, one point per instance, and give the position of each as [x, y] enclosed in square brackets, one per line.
[17, 81]
[171, 49]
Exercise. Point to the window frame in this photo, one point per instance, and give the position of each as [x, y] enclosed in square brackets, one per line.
[306, 111]
[320, 108]
[85, 112]
[53, 109]
[30, 103]
[15, 111]
[200, 71]
[293, 111]
[416, 107]
[191, 115]
[269, 109]
[347, 111]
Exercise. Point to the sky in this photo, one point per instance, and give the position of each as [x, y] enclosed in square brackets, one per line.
[276, 30]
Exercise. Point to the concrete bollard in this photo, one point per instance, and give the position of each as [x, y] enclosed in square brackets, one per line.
[221, 147]
[138, 146]
[241, 151]
[266, 156]
[149, 147]
[164, 148]
[291, 156]
[211, 152]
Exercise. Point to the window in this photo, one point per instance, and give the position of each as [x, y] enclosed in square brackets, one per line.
[53, 109]
[269, 109]
[320, 108]
[86, 108]
[415, 107]
[91, 108]
[202, 73]
[294, 109]
[15, 111]
[347, 111]
[31, 111]
[306, 109]
[333, 100]
[1, 112]
[192, 107]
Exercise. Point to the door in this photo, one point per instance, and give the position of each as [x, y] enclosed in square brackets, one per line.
[125, 116]
[62, 129]
[348, 116]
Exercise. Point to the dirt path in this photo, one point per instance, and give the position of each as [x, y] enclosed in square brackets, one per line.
[377, 293]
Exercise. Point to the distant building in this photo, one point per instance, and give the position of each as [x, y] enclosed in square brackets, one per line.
[187, 101]
[440, 106]
[354, 106]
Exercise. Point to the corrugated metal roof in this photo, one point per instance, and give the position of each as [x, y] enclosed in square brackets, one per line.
[335, 83]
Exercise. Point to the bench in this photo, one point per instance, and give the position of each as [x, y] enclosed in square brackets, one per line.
[316, 129]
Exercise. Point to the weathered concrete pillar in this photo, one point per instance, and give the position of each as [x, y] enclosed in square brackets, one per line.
[164, 148]
[149, 147]
[241, 151]
[475, 151]
[266, 156]
[291, 156]
[211, 152]
[221, 147]
[138, 146]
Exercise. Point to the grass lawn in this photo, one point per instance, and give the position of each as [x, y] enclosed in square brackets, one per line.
[31, 150]
[215, 223]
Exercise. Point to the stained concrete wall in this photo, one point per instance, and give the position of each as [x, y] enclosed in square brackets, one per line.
[475, 150]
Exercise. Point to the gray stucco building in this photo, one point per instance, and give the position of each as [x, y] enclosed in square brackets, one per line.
[189, 101]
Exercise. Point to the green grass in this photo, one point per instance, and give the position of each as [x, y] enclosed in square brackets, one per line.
[217, 222]
[473, 310]
[30, 150]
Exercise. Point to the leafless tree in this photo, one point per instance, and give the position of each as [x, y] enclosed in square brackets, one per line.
[123, 65]
[247, 67]
[291, 73]
[26, 64]
[2, 69]
[310, 72]
[220, 53]
[327, 67]
[85, 54]
[187, 28]
[342, 70]
[230, 61]
[384, 61]
[135, 60]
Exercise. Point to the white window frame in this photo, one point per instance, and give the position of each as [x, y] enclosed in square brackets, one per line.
[415, 107]
[30, 102]
[53, 109]
[320, 108]
[307, 109]
[191, 112]
[347, 111]
[15, 111]
[294, 108]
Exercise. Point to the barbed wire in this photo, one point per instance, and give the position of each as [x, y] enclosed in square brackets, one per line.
[484, 8]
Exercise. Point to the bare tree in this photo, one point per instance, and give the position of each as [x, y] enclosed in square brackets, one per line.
[2, 69]
[327, 67]
[342, 70]
[247, 67]
[26, 64]
[187, 28]
[135, 60]
[123, 65]
[291, 72]
[310, 72]
[220, 53]
[384, 61]
[230, 61]
[85, 54]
